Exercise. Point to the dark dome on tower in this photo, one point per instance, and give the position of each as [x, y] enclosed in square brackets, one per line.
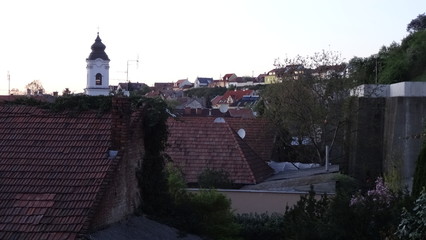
[98, 50]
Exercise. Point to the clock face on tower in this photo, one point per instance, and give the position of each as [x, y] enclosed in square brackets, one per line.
[98, 62]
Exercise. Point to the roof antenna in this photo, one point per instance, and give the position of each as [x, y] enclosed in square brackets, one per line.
[8, 79]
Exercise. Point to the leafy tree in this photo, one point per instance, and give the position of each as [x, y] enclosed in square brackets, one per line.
[417, 24]
[34, 87]
[362, 70]
[396, 62]
[308, 107]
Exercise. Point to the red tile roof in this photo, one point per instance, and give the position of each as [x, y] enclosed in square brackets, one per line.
[52, 167]
[235, 95]
[197, 143]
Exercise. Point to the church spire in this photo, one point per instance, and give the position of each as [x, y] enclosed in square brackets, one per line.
[98, 50]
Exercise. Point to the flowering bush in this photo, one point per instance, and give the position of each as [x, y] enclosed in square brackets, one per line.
[376, 212]
[381, 196]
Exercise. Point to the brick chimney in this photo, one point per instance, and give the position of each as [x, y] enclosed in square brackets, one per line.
[187, 110]
[120, 122]
[198, 111]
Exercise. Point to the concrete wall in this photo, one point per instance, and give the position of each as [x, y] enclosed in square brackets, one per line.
[404, 123]
[250, 201]
[408, 89]
[364, 138]
[384, 136]
[401, 89]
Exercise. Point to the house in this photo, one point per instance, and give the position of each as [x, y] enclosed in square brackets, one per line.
[202, 82]
[63, 176]
[131, 86]
[288, 72]
[187, 102]
[242, 81]
[159, 86]
[182, 84]
[328, 71]
[232, 97]
[238, 146]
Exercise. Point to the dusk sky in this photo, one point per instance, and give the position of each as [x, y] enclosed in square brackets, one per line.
[49, 40]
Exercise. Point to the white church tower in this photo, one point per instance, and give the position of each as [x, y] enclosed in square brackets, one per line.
[97, 70]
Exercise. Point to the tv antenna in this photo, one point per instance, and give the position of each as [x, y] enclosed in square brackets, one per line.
[128, 62]
[8, 79]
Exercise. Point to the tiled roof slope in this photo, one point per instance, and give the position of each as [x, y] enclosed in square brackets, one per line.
[197, 143]
[52, 167]
[260, 134]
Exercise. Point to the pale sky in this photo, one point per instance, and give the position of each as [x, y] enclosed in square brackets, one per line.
[49, 40]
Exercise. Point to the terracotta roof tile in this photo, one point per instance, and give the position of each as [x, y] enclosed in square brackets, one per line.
[51, 167]
[197, 143]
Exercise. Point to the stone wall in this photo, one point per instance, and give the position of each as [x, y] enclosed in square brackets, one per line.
[121, 197]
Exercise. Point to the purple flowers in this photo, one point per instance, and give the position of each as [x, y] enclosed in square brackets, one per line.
[381, 196]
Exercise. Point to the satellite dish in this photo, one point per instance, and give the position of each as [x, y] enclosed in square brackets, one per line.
[223, 108]
[241, 133]
[219, 120]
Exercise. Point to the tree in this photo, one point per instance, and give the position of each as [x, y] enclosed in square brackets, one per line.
[66, 92]
[34, 87]
[308, 107]
[417, 24]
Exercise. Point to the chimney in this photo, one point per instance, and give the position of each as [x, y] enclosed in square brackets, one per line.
[198, 111]
[120, 122]
[55, 94]
[187, 110]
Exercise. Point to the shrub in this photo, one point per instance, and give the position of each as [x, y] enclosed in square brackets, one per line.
[176, 183]
[206, 213]
[305, 220]
[213, 212]
[413, 223]
[261, 226]
[211, 178]
[375, 212]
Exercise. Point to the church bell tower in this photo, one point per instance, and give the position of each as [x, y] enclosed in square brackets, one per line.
[97, 70]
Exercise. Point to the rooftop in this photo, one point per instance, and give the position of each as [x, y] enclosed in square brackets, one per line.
[52, 167]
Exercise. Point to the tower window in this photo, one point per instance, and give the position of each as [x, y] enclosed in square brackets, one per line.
[98, 79]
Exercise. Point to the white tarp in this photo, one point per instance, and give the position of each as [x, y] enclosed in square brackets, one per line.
[288, 166]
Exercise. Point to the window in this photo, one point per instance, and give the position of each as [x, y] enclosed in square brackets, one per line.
[98, 79]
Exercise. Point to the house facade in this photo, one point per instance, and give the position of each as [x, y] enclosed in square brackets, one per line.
[202, 82]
